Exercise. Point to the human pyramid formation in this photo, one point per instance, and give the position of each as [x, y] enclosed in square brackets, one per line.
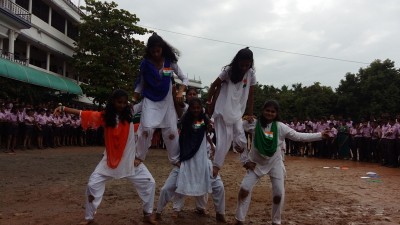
[195, 171]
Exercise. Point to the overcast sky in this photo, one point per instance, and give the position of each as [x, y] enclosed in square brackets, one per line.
[355, 30]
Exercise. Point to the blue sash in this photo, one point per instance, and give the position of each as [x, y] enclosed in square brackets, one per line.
[191, 136]
[156, 87]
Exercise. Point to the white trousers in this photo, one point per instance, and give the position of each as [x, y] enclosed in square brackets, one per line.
[225, 134]
[167, 194]
[143, 181]
[144, 142]
[218, 196]
[278, 193]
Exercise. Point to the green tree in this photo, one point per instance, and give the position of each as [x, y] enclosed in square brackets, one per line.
[106, 53]
[347, 103]
[315, 101]
[372, 91]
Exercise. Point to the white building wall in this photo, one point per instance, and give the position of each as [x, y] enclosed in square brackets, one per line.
[43, 33]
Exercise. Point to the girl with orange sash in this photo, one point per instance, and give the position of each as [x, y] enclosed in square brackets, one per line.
[119, 157]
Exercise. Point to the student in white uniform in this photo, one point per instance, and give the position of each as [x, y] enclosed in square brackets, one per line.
[228, 97]
[192, 175]
[155, 85]
[265, 158]
[217, 186]
[119, 157]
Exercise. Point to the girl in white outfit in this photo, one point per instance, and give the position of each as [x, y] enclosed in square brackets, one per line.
[217, 186]
[265, 158]
[119, 157]
[192, 175]
[155, 85]
[228, 97]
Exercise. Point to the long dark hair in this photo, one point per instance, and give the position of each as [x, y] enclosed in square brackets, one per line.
[234, 69]
[168, 52]
[270, 103]
[188, 119]
[110, 113]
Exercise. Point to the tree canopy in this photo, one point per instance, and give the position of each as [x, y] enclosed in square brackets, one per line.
[371, 92]
[107, 55]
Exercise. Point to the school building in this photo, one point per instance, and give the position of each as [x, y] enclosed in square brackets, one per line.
[37, 42]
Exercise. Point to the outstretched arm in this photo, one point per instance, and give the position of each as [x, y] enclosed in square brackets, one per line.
[303, 137]
[61, 109]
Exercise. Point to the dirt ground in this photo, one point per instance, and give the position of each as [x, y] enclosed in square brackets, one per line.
[48, 186]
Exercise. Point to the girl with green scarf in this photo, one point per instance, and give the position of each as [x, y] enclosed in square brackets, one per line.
[265, 158]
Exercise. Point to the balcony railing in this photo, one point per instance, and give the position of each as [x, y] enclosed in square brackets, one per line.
[16, 9]
[12, 57]
[75, 7]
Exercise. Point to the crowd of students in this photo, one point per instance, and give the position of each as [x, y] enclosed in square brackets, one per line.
[365, 141]
[25, 126]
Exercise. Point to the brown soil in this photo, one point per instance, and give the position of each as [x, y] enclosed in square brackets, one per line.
[48, 186]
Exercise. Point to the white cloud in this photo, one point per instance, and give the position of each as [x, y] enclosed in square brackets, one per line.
[358, 30]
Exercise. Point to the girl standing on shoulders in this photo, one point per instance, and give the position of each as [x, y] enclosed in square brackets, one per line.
[228, 97]
[265, 158]
[119, 157]
[158, 109]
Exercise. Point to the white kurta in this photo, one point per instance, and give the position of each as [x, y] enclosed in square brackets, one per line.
[265, 163]
[160, 114]
[194, 174]
[232, 99]
[125, 167]
[229, 109]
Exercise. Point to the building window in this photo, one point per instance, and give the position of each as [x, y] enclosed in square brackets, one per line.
[57, 21]
[41, 10]
[72, 31]
[23, 3]
[38, 57]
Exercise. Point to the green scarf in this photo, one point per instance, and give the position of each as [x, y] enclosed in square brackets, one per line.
[266, 142]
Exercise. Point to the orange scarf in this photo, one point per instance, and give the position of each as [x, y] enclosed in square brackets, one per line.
[115, 137]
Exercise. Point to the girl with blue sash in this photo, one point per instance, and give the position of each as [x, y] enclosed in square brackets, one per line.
[155, 84]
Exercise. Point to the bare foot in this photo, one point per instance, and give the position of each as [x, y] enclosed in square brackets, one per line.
[86, 222]
[220, 218]
[237, 222]
[150, 219]
[239, 149]
[200, 212]
[158, 217]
